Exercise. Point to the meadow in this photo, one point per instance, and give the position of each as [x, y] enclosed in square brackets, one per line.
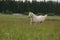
[16, 27]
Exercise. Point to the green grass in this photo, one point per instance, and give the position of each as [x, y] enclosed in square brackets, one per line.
[18, 28]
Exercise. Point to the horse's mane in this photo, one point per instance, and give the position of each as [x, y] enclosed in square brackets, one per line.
[32, 13]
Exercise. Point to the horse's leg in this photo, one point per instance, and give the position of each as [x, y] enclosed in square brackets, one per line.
[31, 21]
[41, 22]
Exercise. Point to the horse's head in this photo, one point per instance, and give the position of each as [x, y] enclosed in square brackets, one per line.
[30, 14]
[45, 15]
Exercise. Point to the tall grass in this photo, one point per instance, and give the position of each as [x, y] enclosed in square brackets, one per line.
[18, 28]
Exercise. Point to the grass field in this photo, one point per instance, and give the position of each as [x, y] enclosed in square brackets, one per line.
[18, 28]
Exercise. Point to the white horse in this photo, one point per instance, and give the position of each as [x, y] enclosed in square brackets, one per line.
[35, 18]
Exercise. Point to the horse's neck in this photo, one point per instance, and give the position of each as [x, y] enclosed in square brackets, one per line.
[34, 15]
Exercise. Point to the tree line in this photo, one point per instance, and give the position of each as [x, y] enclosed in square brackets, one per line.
[9, 7]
